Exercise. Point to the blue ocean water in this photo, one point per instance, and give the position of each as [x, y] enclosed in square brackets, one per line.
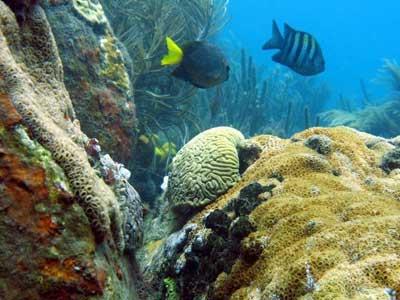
[355, 35]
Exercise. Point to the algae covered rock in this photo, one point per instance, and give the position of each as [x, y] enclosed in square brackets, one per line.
[204, 168]
[47, 247]
[96, 74]
[63, 230]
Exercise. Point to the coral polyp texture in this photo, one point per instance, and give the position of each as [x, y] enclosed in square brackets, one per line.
[206, 167]
[96, 74]
[32, 77]
[332, 227]
[319, 219]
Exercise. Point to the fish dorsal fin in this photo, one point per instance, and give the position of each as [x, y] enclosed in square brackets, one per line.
[288, 29]
[174, 55]
[276, 42]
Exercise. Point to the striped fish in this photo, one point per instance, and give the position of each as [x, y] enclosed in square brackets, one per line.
[298, 50]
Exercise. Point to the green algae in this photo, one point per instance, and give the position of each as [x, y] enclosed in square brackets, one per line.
[171, 289]
[35, 154]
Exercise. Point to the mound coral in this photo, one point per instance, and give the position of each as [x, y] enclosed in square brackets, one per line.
[33, 79]
[204, 168]
[316, 222]
[332, 232]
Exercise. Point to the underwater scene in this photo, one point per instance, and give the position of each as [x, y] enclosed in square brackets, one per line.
[199, 150]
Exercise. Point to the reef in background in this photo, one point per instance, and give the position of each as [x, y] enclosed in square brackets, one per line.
[379, 119]
[316, 216]
[65, 232]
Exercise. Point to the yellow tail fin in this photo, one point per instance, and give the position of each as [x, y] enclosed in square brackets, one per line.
[175, 53]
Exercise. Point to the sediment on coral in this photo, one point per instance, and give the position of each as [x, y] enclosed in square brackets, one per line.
[33, 79]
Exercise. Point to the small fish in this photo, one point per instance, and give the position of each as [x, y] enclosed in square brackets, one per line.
[299, 50]
[200, 63]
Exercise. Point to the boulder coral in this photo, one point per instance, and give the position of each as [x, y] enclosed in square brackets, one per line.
[206, 167]
[318, 224]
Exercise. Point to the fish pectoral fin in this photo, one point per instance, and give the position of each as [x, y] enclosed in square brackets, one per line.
[277, 58]
[174, 55]
[180, 73]
[276, 41]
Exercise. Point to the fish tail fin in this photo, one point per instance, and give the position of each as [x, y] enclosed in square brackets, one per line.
[174, 55]
[276, 41]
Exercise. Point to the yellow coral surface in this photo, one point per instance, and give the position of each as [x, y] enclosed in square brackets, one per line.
[331, 230]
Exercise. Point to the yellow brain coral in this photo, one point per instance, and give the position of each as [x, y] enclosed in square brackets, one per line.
[331, 229]
[205, 168]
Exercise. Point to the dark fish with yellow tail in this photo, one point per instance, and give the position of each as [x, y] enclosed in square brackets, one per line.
[299, 50]
[200, 63]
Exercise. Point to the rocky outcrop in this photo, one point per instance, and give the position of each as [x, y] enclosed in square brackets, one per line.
[65, 232]
[96, 74]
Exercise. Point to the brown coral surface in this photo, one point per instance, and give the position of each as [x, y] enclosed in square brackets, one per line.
[332, 226]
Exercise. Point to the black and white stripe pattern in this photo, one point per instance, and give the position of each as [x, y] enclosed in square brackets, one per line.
[299, 48]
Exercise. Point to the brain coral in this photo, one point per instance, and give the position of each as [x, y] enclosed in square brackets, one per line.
[32, 76]
[205, 168]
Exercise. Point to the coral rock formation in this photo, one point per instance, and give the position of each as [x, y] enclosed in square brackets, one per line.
[54, 208]
[305, 223]
[33, 79]
[47, 247]
[96, 74]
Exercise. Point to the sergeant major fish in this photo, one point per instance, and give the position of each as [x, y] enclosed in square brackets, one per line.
[200, 63]
[299, 50]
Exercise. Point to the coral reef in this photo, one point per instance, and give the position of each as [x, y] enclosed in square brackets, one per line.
[90, 10]
[379, 119]
[314, 216]
[96, 69]
[163, 103]
[204, 168]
